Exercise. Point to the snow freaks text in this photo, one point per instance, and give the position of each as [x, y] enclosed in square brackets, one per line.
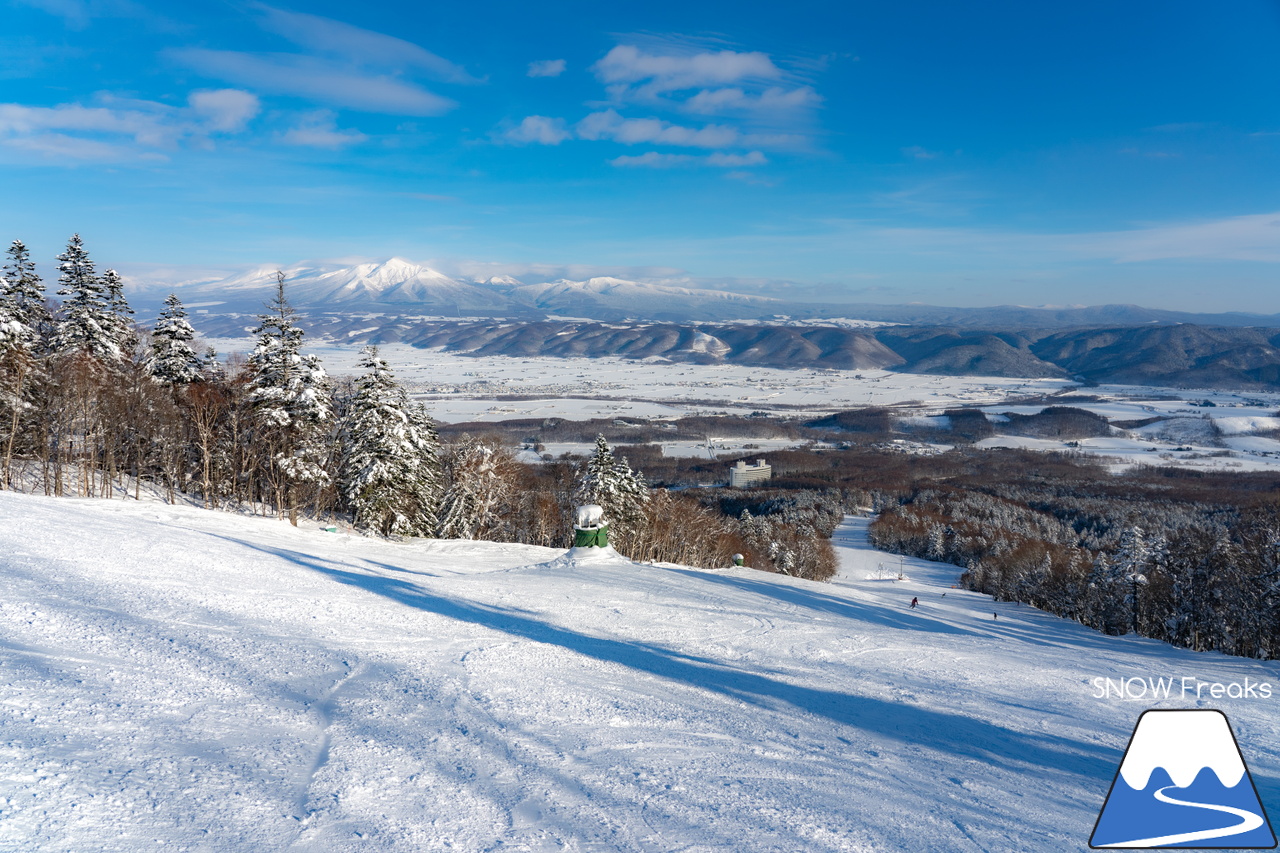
[1184, 687]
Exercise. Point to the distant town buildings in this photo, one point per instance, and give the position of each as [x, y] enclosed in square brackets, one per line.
[742, 474]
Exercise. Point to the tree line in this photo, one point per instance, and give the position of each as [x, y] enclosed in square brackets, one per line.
[1201, 575]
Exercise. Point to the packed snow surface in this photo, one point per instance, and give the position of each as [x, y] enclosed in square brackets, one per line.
[176, 679]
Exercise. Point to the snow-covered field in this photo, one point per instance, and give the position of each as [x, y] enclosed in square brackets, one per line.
[460, 388]
[179, 679]
[1190, 435]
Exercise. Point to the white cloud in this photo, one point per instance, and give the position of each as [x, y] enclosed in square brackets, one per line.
[626, 64]
[367, 47]
[546, 68]
[737, 161]
[656, 160]
[224, 110]
[64, 148]
[752, 178]
[721, 82]
[90, 133]
[608, 124]
[774, 99]
[1242, 238]
[759, 104]
[123, 129]
[317, 80]
[540, 130]
[319, 130]
[19, 119]
[1255, 237]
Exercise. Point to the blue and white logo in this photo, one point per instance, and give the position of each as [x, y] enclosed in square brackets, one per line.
[1183, 784]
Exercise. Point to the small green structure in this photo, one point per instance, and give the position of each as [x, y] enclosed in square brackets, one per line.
[591, 529]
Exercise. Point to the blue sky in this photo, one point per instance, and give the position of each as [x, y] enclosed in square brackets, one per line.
[949, 153]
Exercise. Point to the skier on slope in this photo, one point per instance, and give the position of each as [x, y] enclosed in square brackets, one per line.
[914, 601]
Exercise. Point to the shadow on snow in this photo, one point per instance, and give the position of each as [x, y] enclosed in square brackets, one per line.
[912, 725]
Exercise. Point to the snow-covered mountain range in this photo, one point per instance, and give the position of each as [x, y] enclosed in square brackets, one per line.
[400, 285]
[407, 288]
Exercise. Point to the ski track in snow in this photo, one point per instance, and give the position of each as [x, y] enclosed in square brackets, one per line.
[190, 680]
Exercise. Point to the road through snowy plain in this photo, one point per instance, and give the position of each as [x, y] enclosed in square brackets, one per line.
[178, 679]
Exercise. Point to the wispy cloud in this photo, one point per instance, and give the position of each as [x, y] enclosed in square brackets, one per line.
[609, 124]
[1254, 237]
[537, 129]
[546, 68]
[319, 130]
[225, 110]
[342, 66]
[681, 77]
[365, 47]
[657, 160]
[316, 80]
[758, 106]
[123, 129]
[752, 178]
[774, 99]
[737, 161]
[654, 74]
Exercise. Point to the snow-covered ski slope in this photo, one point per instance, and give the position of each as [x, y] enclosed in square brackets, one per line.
[175, 679]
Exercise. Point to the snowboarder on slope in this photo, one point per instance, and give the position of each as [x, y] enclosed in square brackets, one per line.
[914, 602]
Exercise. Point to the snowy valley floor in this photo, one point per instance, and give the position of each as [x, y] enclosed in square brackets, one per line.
[174, 679]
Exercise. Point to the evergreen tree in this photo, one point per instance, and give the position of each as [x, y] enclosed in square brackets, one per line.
[211, 367]
[289, 394]
[126, 337]
[608, 481]
[22, 293]
[390, 471]
[16, 368]
[1131, 562]
[87, 325]
[173, 362]
[480, 484]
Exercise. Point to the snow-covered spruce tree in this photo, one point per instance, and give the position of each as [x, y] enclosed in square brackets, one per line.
[173, 362]
[389, 474]
[126, 336]
[289, 396]
[479, 479]
[16, 367]
[1131, 562]
[608, 481]
[211, 366]
[22, 292]
[87, 325]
